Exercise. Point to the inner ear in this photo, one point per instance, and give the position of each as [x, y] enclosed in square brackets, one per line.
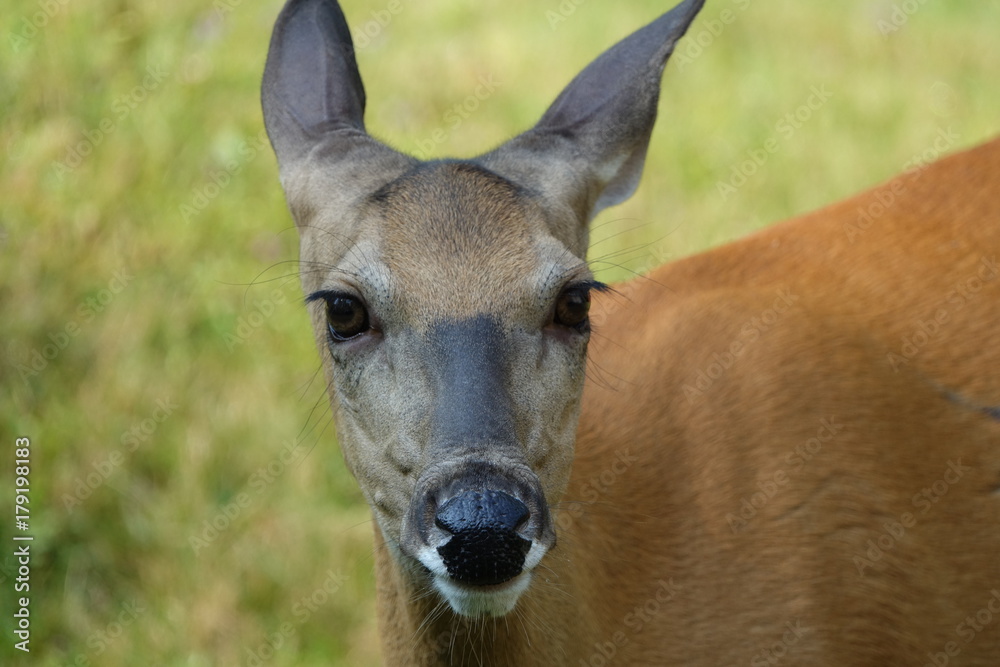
[589, 147]
[311, 81]
[314, 104]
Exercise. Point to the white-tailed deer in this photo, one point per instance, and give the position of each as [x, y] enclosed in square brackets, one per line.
[785, 450]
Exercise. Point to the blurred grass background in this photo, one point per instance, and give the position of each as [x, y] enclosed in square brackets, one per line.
[152, 339]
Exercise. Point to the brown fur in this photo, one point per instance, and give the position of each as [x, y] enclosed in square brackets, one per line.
[729, 594]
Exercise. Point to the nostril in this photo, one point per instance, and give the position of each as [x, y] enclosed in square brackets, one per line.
[485, 547]
[472, 510]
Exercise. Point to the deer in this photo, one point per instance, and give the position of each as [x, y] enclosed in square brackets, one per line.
[785, 449]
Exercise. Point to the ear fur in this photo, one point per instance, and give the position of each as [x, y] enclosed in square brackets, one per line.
[590, 145]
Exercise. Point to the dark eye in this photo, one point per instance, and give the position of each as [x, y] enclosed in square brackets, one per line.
[346, 317]
[572, 308]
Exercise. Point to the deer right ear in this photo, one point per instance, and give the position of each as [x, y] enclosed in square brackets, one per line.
[588, 149]
[312, 92]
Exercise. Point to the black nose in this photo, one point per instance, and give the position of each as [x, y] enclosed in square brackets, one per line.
[484, 548]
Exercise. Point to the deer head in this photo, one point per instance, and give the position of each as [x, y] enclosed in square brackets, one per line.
[449, 298]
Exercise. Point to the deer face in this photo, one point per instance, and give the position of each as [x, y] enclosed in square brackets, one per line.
[455, 376]
[449, 299]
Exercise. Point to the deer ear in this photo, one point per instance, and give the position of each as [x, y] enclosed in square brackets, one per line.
[590, 145]
[312, 92]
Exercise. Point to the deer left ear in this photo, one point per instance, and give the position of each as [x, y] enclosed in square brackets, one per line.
[589, 147]
[312, 95]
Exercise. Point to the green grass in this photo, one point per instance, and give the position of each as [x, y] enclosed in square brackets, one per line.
[182, 364]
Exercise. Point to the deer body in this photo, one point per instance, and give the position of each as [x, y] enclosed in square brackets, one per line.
[832, 441]
[785, 449]
[660, 553]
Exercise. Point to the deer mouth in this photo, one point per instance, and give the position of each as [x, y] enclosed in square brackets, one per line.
[480, 536]
[478, 600]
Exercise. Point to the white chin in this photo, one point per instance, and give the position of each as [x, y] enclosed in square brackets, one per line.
[477, 601]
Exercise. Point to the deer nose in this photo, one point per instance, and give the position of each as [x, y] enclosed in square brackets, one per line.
[484, 548]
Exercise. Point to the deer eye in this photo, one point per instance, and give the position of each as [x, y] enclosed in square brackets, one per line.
[572, 308]
[346, 317]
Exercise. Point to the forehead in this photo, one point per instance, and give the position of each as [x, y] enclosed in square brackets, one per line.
[458, 240]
